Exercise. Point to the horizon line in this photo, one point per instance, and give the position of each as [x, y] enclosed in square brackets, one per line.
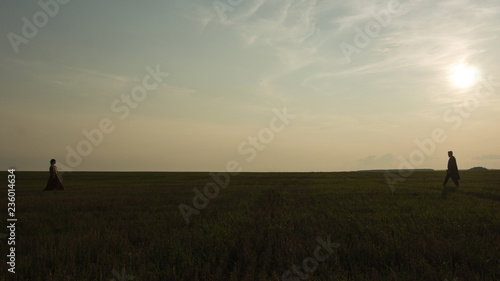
[157, 171]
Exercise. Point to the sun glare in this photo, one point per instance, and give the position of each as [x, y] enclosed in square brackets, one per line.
[464, 76]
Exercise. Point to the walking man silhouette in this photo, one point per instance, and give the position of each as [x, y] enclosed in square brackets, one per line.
[452, 171]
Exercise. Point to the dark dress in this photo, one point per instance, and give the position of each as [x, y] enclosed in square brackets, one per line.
[54, 182]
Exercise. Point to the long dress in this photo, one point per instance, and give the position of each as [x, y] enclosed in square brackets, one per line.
[54, 182]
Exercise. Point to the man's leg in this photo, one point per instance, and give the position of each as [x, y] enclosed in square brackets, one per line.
[446, 179]
[455, 181]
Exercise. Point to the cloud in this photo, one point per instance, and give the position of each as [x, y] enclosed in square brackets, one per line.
[426, 38]
[376, 162]
[275, 23]
[285, 28]
[67, 77]
[245, 11]
[489, 157]
[169, 89]
[203, 14]
[420, 43]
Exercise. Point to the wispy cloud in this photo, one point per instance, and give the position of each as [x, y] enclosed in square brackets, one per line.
[72, 77]
[376, 162]
[487, 157]
[201, 13]
[169, 89]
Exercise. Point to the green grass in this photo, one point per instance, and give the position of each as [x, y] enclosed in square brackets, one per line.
[257, 228]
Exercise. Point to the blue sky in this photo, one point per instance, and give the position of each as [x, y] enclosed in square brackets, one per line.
[230, 64]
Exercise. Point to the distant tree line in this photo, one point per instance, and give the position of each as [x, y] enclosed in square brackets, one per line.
[478, 169]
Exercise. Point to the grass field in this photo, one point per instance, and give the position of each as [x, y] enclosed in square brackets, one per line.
[126, 226]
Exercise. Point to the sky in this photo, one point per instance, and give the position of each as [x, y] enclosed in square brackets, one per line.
[276, 85]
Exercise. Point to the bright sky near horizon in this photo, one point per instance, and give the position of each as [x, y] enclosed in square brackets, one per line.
[277, 85]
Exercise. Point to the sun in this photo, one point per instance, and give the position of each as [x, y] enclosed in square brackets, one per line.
[464, 76]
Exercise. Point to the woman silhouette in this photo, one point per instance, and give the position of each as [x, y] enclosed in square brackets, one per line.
[54, 182]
